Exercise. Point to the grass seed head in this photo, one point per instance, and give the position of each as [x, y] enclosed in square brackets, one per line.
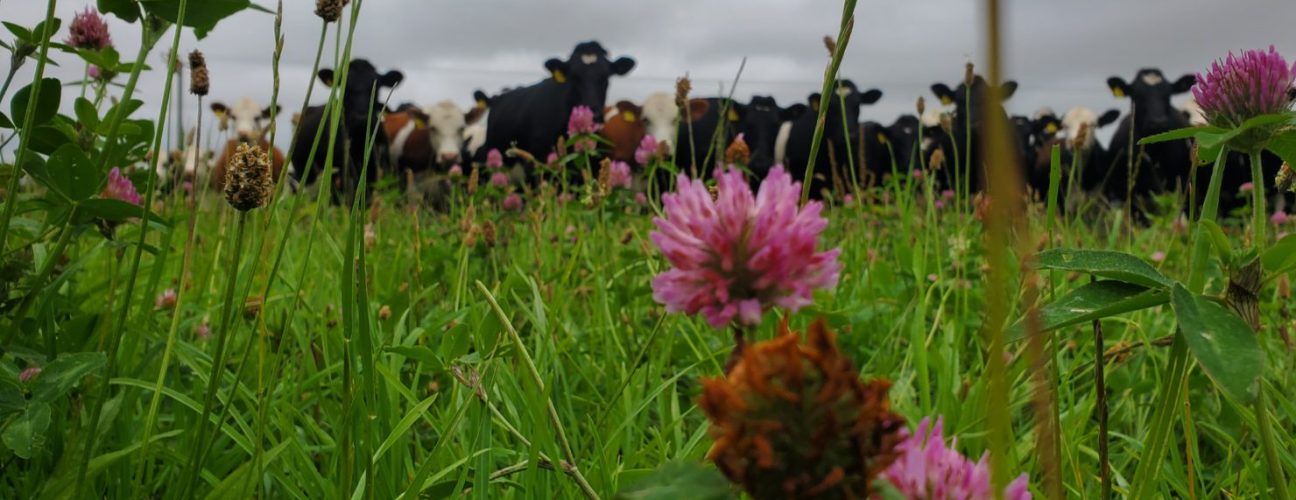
[199, 80]
[248, 183]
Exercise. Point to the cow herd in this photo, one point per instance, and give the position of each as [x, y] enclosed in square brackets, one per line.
[413, 140]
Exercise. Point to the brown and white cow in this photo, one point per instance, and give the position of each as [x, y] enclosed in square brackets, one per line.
[250, 123]
[430, 137]
[626, 124]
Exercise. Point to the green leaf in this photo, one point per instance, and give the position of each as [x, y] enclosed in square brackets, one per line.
[26, 434]
[1222, 342]
[61, 375]
[1097, 300]
[1284, 145]
[680, 479]
[1183, 133]
[421, 355]
[1109, 264]
[86, 113]
[11, 395]
[106, 58]
[73, 173]
[1219, 241]
[4, 121]
[1281, 255]
[125, 108]
[202, 16]
[20, 32]
[115, 210]
[51, 91]
[126, 10]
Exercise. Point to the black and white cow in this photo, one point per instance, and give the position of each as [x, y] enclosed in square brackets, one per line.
[1155, 167]
[758, 121]
[535, 116]
[361, 108]
[885, 149]
[961, 147]
[841, 135]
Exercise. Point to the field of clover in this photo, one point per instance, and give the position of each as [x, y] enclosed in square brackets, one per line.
[598, 335]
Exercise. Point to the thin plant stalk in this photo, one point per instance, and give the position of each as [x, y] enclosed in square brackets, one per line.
[1147, 475]
[1258, 221]
[829, 84]
[100, 399]
[218, 360]
[11, 191]
[1100, 391]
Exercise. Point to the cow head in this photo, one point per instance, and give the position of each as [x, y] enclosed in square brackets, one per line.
[249, 120]
[969, 99]
[1080, 117]
[1150, 93]
[846, 99]
[587, 72]
[759, 121]
[902, 138]
[361, 99]
[447, 123]
[661, 117]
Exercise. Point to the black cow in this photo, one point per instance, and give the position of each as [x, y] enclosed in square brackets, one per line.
[758, 121]
[884, 149]
[534, 117]
[840, 137]
[1156, 167]
[968, 121]
[361, 121]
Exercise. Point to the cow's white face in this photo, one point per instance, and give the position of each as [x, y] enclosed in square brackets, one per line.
[1152, 79]
[1075, 119]
[589, 58]
[248, 119]
[661, 118]
[446, 130]
[1196, 117]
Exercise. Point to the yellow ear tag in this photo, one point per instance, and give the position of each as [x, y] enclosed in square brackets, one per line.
[481, 104]
[1051, 128]
[733, 115]
[419, 123]
[1116, 91]
[945, 100]
[628, 116]
[559, 77]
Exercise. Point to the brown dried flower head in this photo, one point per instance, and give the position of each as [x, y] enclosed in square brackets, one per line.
[922, 106]
[969, 74]
[473, 179]
[738, 153]
[947, 122]
[1082, 137]
[248, 183]
[199, 80]
[830, 44]
[795, 420]
[682, 88]
[330, 10]
[937, 160]
[488, 233]
[1286, 180]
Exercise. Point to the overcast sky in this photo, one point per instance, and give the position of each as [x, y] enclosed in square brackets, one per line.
[1061, 52]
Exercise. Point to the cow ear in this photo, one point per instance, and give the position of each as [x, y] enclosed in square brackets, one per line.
[793, 112]
[1007, 89]
[736, 112]
[944, 93]
[1118, 86]
[326, 76]
[622, 65]
[557, 69]
[474, 115]
[628, 111]
[1108, 118]
[697, 108]
[481, 100]
[391, 78]
[219, 109]
[814, 101]
[272, 110]
[1184, 84]
[871, 96]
